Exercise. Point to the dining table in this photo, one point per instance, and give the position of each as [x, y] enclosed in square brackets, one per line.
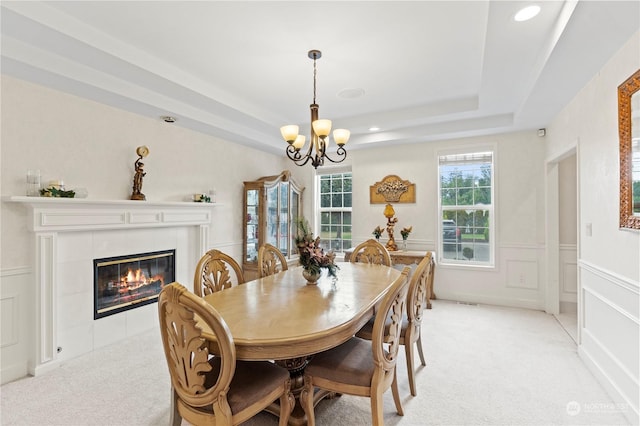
[281, 318]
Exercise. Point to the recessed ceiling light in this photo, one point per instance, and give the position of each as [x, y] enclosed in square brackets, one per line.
[168, 119]
[527, 13]
[374, 128]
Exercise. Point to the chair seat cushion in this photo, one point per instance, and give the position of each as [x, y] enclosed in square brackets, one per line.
[351, 363]
[252, 381]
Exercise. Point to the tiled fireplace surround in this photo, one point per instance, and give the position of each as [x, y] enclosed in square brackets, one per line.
[68, 235]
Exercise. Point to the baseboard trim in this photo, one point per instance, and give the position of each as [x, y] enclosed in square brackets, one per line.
[13, 372]
[632, 414]
[484, 300]
[45, 368]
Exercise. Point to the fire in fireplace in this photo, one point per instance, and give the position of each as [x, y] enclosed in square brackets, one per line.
[126, 282]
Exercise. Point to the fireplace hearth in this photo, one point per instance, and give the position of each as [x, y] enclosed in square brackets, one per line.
[127, 282]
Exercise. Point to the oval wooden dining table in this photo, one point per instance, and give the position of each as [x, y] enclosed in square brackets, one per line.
[280, 317]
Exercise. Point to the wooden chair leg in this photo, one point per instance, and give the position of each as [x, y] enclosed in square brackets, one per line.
[176, 418]
[286, 405]
[376, 409]
[306, 400]
[396, 396]
[419, 343]
[412, 379]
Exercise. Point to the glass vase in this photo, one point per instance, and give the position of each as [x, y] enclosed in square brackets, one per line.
[404, 244]
[311, 276]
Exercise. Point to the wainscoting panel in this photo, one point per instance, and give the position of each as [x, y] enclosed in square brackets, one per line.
[611, 334]
[515, 281]
[9, 320]
[16, 316]
[568, 273]
[522, 274]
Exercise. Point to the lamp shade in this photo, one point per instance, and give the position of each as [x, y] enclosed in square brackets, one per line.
[322, 128]
[389, 211]
[289, 132]
[341, 136]
[299, 142]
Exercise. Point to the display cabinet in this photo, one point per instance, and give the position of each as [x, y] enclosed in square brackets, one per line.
[271, 206]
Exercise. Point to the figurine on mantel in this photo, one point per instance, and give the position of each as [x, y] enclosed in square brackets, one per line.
[137, 194]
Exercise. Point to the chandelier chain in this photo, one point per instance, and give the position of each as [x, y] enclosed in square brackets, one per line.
[315, 73]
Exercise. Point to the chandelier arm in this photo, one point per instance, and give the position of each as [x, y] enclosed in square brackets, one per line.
[296, 157]
[342, 154]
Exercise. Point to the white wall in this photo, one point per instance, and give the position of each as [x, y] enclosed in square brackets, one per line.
[609, 258]
[568, 228]
[93, 146]
[517, 278]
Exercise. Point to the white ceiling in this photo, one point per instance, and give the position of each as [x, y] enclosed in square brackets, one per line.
[238, 70]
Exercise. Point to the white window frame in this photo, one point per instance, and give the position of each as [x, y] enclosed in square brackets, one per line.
[324, 171]
[492, 209]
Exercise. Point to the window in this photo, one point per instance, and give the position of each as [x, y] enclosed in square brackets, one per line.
[334, 192]
[466, 201]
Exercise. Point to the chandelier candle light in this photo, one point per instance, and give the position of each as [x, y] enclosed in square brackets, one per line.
[320, 129]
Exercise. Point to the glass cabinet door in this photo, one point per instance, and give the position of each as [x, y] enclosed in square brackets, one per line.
[272, 215]
[272, 205]
[295, 209]
[283, 234]
[253, 208]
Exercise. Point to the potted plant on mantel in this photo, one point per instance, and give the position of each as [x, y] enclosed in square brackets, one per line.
[312, 257]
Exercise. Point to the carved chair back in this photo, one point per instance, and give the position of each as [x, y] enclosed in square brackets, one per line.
[410, 333]
[359, 367]
[187, 352]
[270, 260]
[213, 273]
[208, 389]
[418, 291]
[385, 339]
[371, 251]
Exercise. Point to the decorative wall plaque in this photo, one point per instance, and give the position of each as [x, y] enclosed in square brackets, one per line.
[392, 189]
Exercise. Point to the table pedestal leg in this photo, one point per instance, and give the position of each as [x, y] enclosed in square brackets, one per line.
[296, 370]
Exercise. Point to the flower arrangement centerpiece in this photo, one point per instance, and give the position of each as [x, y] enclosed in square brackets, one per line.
[405, 232]
[377, 232]
[312, 257]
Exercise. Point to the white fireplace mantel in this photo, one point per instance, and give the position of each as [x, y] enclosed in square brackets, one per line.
[49, 214]
[49, 218]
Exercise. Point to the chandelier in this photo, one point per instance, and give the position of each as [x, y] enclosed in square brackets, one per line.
[320, 129]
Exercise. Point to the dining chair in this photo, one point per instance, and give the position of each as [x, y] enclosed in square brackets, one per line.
[208, 389]
[270, 260]
[432, 273]
[371, 251]
[212, 273]
[360, 367]
[411, 330]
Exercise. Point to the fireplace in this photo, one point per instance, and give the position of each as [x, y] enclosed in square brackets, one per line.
[127, 282]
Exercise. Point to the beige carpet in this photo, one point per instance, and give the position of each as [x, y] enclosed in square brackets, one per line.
[486, 366]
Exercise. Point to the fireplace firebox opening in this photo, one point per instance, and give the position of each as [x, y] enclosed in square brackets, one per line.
[127, 282]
